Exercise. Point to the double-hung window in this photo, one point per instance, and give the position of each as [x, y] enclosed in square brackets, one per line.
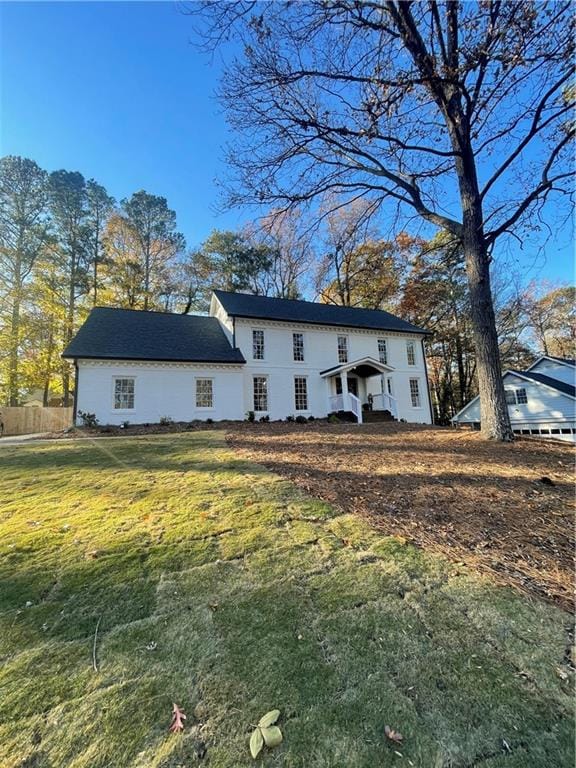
[382, 351]
[342, 349]
[258, 344]
[204, 393]
[298, 347]
[515, 396]
[124, 394]
[415, 393]
[300, 393]
[411, 353]
[260, 384]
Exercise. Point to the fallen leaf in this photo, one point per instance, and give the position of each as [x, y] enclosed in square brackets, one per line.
[177, 717]
[269, 718]
[393, 735]
[272, 736]
[256, 742]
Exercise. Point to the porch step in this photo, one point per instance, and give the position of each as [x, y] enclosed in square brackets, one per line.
[371, 417]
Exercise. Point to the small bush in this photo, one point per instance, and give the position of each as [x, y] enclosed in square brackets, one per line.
[250, 416]
[88, 419]
[301, 419]
[165, 420]
[264, 419]
[333, 419]
[209, 421]
[289, 418]
[311, 418]
[125, 424]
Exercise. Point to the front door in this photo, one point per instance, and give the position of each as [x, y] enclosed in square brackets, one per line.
[352, 385]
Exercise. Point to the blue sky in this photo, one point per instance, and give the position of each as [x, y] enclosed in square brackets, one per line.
[117, 91]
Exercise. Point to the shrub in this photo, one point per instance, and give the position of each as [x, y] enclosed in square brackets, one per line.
[333, 419]
[301, 419]
[250, 416]
[125, 424]
[311, 418]
[88, 419]
[264, 419]
[209, 421]
[165, 420]
[289, 418]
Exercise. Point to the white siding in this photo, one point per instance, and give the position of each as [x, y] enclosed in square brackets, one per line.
[161, 389]
[560, 371]
[320, 353]
[546, 409]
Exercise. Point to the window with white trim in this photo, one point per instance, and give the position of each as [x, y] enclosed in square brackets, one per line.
[204, 393]
[258, 344]
[298, 347]
[382, 351]
[300, 393]
[342, 349]
[415, 392]
[260, 385]
[411, 353]
[124, 394]
[515, 396]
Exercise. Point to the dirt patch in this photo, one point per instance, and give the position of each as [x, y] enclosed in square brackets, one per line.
[503, 509]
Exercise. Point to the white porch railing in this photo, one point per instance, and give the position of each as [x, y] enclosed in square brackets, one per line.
[346, 402]
[336, 404]
[385, 402]
[355, 407]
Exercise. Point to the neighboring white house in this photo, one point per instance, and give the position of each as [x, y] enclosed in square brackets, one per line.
[275, 357]
[541, 400]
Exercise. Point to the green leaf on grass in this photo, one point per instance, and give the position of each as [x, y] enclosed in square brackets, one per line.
[256, 743]
[272, 736]
[269, 718]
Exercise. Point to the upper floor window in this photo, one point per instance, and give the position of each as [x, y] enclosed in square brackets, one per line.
[260, 384]
[124, 393]
[415, 393]
[300, 393]
[382, 351]
[411, 353]
[298, 346]
[204, 393]
[342, 349]
[515, 396]
[258, 345]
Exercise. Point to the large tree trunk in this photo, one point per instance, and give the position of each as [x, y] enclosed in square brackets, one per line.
[493, 409]
[13, 388]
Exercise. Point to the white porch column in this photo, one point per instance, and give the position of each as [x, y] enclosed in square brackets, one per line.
[345, 399]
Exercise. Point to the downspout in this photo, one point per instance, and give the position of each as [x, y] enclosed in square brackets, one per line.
[234, 331]
[76, 387]
[427, 382]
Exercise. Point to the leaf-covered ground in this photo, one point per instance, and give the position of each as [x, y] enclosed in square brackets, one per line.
[506, 509]
[223, 588]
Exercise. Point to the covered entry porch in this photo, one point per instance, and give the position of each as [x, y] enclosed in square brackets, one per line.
[352, 387]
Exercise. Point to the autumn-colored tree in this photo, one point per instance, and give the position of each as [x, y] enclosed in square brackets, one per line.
[551, 317]
[23, 235]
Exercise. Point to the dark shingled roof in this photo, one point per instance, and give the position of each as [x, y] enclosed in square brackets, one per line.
[292, 311]
[561, 386]
[128, 334]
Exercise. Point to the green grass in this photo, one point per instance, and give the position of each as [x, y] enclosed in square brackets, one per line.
[255, 597]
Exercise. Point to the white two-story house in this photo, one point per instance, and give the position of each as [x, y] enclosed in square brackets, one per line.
[273, 357]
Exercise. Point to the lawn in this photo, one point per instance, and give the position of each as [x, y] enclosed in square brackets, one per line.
[135, 573]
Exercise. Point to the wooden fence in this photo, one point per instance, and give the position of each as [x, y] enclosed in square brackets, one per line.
[28, 420]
